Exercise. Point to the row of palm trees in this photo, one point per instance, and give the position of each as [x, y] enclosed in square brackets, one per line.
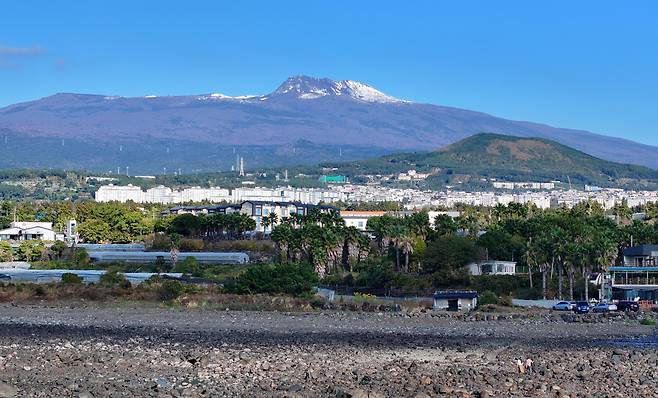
[400, 235]
[570, 242]
[321, 238]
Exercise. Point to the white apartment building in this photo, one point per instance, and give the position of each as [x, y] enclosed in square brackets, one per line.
[118, 193]
[197, 194]
[286, 194]
[160, 194]
[524, 185]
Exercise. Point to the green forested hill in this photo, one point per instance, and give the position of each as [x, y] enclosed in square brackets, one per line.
[508, 158]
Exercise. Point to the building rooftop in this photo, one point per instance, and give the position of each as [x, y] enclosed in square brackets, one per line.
[455, 294]
[642, 250]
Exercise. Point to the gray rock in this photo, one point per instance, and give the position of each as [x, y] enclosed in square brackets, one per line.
[7, 391]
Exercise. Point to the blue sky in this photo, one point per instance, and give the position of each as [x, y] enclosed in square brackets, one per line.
[585, 64]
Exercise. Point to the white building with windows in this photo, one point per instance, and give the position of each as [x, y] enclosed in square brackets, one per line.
[198, 194]
[492, 267]
[118, 193]
[23, 230]
[258, 209]
[359, 219]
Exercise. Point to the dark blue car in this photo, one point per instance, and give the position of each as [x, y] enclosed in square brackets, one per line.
[581, 307]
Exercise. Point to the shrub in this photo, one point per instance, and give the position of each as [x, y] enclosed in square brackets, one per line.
[487, 297]
[451, 278]
[160, 241]
[160, 264]
[333, 279]
[57, 249]
[448, 253]
[188, 266]
[30, 250]
[114, 278]
[81, 258]
[297, 279]
[6, 252]
[647, 322]
[191, 245]
[40, 291]
[364, 298]
[501, 284]
[170, 289]
[505, 300]
[318, 302]
[70, 278]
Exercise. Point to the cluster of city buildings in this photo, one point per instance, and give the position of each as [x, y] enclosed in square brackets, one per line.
[410, 198]
[419, 199]
[523, 185]
[165, 195]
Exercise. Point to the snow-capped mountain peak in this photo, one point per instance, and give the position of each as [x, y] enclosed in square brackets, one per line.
[304, 87]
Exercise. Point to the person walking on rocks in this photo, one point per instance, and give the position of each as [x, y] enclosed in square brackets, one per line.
[528, 365]
[519, 366]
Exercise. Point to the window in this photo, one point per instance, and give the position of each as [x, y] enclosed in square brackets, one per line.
[360, 224]
[266, 211]
[258, 210]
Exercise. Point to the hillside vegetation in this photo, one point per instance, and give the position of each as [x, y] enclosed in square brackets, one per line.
[507, 158]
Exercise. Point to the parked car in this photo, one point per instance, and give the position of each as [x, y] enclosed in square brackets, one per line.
[4, 277]
[581, 307]
[604, 307]
[563, 306]
[628, 305]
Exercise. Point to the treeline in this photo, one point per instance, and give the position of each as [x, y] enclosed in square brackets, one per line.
[557, 247]
[97, 222]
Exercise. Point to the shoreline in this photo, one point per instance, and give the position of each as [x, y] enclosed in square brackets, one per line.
[93, 351]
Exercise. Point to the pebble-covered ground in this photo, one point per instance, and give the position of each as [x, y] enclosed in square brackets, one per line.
[132, 352]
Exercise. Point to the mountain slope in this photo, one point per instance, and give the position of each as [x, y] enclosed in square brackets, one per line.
[510, 159]
[305, 120]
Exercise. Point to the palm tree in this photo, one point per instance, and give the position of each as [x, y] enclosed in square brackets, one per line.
[282, 235]
[351, 237]
[405, 244]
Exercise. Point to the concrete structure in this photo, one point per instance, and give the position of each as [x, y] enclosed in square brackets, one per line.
[331, 179]
[25, 230]
[359, 219]
[149, 257]
[119, 247]
[449, 300]
[115, 193]
[257, 209]
[15, 264]
[641, 256]
[523, 185]
[165, 195]
[198, 210]
[87, 276]
[492, 267]
[638, 277]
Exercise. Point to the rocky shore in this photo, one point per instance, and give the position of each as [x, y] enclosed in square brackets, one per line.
[158, 352]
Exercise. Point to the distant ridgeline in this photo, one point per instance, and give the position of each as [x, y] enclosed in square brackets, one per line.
[304, 121]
